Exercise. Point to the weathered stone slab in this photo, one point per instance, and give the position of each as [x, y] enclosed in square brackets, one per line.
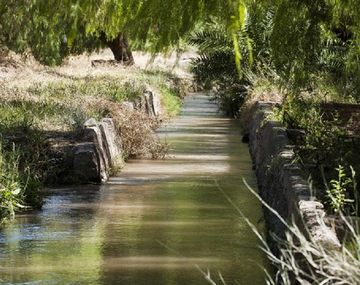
[93, 134]
[153, 102]
[128, 106]
[112, 141]
[86, 163]
[313, 215]
[94, 159]
[149, 103]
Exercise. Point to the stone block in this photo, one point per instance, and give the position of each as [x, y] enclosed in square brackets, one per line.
[313, 214]
[112, 141]
[100, 152]
[128, 106]
[149, 103]
[94, 134]
[280, 181]
[86, 163]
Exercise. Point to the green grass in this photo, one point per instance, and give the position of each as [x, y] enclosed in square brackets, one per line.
[108, 87]
[66, 103]
[171, 102]
[10, 184]
[171, 89]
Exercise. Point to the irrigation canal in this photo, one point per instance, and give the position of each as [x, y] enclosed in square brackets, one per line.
[159, 222]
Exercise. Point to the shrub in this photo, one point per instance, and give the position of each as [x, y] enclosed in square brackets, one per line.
[18, 186]
[11, 190]
[324, 146]
[138, 136]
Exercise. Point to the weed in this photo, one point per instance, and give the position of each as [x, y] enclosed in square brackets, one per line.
[18, 186]
[336, 193]
[303, 259]
[11, 190]
[170, 101]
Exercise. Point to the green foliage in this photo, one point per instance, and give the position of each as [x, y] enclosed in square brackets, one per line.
[28, 162]
[338, 189]
[216, 60]
[52, 30]
[316, 37]
[300, 38]
[303, 41]
[216, 65]
[18, 186]
[326, 153]
[322, 134]
[43, 27]
[170, 101]
[294, 52]
[11, 190]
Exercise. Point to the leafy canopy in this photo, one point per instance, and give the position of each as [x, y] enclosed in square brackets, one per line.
[53, 29]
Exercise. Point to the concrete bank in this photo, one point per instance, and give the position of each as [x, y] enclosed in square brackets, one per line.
[280, 179]
[99, 150]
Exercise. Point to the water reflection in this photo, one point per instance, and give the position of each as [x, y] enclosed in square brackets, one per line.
[153, 223]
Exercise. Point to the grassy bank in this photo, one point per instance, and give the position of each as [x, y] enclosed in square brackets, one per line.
[39, 120]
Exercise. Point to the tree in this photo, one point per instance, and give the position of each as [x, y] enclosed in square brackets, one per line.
[53, 29]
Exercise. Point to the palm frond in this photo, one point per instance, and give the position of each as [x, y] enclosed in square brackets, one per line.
[210, 40]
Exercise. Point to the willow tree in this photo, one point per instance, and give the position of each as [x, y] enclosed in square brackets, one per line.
[53, 29]
[42, 27]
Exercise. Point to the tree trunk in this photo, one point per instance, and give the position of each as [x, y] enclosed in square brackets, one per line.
[120, 48]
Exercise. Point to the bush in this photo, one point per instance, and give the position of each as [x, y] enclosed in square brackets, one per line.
[329, 157]
[18, 186]
[11, 190]
[137, 133]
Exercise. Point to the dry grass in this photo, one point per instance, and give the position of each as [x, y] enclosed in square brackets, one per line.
[138, 137]
[27, 71]
[305, 260]
[61, 99]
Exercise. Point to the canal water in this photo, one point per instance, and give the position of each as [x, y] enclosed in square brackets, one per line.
[159, 222]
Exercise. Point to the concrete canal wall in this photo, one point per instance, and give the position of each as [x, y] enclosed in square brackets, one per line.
[280, 179]
[100, 150]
